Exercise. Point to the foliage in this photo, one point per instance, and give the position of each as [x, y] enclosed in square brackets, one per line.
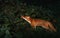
[12, 26]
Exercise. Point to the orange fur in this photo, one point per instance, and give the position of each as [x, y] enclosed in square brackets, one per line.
[39, 22]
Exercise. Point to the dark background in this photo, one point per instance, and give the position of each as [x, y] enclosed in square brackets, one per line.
[12, 26]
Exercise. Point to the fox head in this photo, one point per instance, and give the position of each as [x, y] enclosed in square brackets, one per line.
[27, 18]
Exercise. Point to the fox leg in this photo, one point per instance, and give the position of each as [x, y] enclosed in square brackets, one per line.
[34, 27]
[45, 26]
[52, 27]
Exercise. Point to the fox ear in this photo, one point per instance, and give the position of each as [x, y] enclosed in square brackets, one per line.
[28, 17]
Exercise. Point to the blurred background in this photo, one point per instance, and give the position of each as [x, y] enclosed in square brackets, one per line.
[12, 26]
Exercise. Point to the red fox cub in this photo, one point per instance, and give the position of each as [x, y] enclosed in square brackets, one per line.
[39, 22]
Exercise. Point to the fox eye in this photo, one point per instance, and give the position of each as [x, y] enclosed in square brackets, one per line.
[28, 17]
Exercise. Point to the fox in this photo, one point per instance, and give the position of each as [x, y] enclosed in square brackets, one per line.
[39, 22]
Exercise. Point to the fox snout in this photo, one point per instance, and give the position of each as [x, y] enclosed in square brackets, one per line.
[21, 17]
